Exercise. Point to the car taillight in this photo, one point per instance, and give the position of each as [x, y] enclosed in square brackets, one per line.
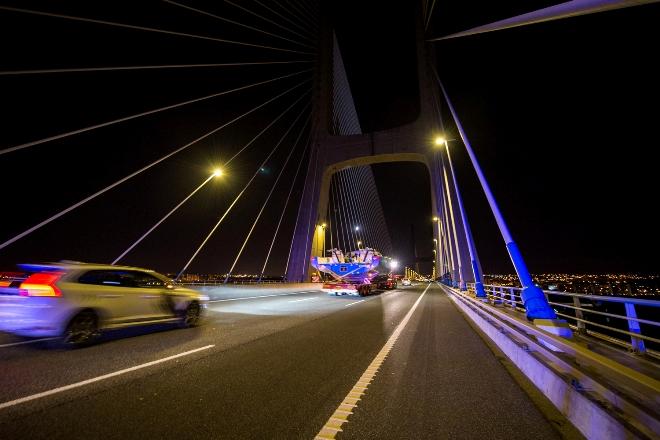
[41, 284]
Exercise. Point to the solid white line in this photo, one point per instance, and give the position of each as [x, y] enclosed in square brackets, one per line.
[25, 342]
[340, 416]
[304, 299]
[255, 297]
[99, 378]
[350, 304]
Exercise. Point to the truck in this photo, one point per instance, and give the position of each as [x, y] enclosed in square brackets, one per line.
[350, 274]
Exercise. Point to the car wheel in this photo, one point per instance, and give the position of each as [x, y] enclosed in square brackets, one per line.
[82, 330]
[191, 316]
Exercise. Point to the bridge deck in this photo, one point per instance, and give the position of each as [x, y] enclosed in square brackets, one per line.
[279, 367]
[442, 381]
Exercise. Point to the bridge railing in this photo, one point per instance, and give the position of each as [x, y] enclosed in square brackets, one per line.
[625, 321]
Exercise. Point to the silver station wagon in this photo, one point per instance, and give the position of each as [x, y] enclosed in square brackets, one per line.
[77, 301]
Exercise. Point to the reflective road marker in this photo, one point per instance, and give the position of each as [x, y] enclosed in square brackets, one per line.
[344, 410]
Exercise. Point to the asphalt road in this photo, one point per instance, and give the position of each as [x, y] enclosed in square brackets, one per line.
[275, 367]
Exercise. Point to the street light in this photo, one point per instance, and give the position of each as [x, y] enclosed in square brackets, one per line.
[357, 228]
[436, 219]
[359, 243]
[217, 172]
[440, 140]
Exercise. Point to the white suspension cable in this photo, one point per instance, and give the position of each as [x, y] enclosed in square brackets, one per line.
[295, 226]
[226, 20]
[338, 220]
[286, 203]
[429, 15]
[349, 219]
[130, 176]
[350, 199]
[305, 263]
[139, 115]
[163, 219]
[377, 213]
[162, 66]
[302, 28]
[148, 29]
[303, 15]
[262, 131]
[306, 37]
[370, 201]
[367, 219]
[313, 15]
[238, 197]
[270, 193]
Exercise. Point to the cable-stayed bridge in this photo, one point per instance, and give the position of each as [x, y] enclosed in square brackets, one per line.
[285, 173]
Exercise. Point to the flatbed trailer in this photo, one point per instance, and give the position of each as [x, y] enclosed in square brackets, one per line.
[348, 288]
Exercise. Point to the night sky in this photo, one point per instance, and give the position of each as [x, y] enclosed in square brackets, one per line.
[562, 116]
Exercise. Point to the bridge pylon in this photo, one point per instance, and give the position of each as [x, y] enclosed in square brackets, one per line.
[338, 143]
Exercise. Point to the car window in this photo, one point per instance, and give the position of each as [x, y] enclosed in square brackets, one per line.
[143, 279]
[101, 277]
[124, 278]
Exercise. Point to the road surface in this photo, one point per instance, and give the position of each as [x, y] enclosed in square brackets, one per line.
[275, 367]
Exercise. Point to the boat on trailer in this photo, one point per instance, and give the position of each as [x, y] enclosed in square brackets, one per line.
[352, 272]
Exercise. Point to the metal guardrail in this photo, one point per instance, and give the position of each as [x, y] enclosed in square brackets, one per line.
[581, 311]
[616, 388]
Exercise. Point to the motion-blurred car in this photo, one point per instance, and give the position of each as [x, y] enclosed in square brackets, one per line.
[77, 301]
[384, 282]
[406, 282]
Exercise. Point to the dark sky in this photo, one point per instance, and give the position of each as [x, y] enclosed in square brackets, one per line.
[562, 116]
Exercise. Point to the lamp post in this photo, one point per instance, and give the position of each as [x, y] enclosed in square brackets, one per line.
[443, 230]
[323, 226]
[536, 305]
[478, 280]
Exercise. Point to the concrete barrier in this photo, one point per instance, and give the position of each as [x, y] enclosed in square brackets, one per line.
[230, 291]
[597, 412]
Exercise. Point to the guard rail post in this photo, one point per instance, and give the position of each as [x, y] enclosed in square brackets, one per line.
[581, 326]
[633, 326]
